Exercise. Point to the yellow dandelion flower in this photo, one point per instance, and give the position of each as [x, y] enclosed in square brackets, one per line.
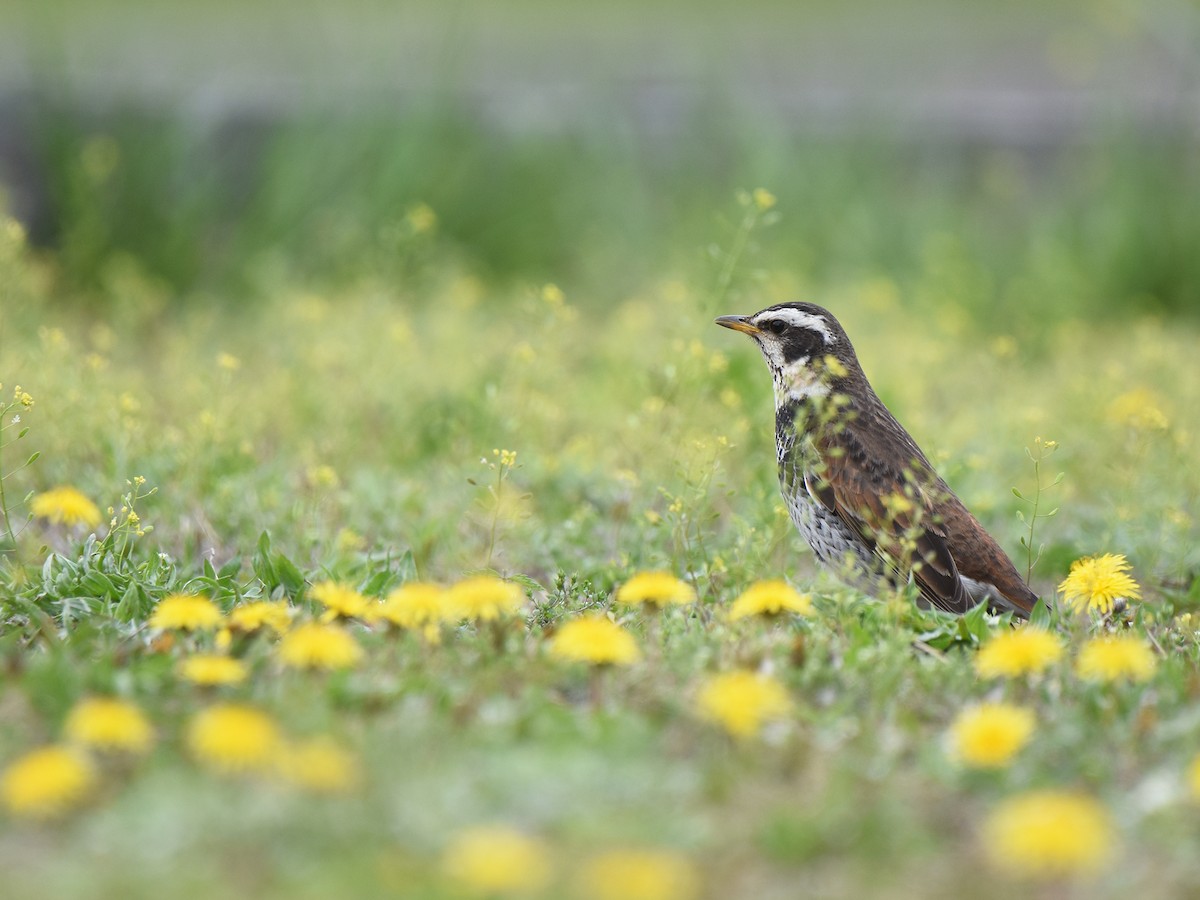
[595, 640]
[187, 612]
[320, 765]
[659, 588]
[770, 598]
[742, 702]
[763, 199]
[413, 606]
[1193, 777]
[639, 875]
[339, 600]
[1027, 650]
[483, 598]
[317, 646]
[1049, 834]
[989, 735]
[1096, 582]
[234, 739]
[249, 617]
[46, 782]
[65, 505]
[107, 723]
[213, 669]
[496, 859]
[1115, 658]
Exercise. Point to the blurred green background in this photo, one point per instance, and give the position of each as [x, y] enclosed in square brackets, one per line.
[1041, 156]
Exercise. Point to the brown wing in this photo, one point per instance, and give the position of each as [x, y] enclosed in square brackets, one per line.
[892, 511]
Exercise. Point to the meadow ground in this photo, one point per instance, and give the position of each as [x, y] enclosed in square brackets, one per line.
[412, 416]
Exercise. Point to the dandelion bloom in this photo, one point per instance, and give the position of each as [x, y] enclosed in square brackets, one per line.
[65, 505]
[416, 605]
[1096, 582]
[483, 598]
[107, 723]
[496, 859]
[1026, 650]
[46, 782]
[742, 702]
[212, 669]
[318, 646]
[234, 739]
[595, 640]
[339, 600]
[251, 617]
[639, 875]
[319, 765]
[186, 612]
[1049, 834]
[770, 598]
[989, 735]
[659, 588]
[1115, 658]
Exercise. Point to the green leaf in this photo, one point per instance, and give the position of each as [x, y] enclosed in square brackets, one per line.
[1040, 615]
[288, 574]
[1017, 494]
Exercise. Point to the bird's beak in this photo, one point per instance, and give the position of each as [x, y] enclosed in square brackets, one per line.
[738, 323]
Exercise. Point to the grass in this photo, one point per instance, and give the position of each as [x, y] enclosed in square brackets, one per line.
[336, 411]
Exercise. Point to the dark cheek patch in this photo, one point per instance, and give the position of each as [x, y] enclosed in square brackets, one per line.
[800, 342]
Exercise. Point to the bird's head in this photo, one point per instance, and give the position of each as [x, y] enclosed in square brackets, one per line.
[804, 346]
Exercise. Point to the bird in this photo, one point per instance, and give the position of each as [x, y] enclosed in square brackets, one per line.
[857, 487]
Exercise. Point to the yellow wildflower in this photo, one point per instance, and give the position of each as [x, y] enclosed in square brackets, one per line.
[1025, 650]
[317, 646]
[1115, 658]
[46, 782]
[213, 669]
[659, 588]
[416, 605]
[339, 600]
[1049, 834]
[763, 199]
[497, 860]
[320, 765]
[595, 640]
[250, 617]
[1096, 582]
[1193, 777]
[107, 723]
[234, 739]
[742, 702]
[639, 875]
[187, 612]
[65, 505]
[484, 598]
[770, 598]
[989, 735]
[1137, 409]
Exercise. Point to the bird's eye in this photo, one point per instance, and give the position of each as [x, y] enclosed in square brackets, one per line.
[775, 326]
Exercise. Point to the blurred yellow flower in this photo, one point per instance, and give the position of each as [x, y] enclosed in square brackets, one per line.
[659, 588]
[742, 702]
[65, 505]
[1021, 651]
[339, 600]
[595, 640]
[213, 669]
[46, 782]
[318, 764]
[989, 735]
[317, 646]
[234, 739]
[250, 617]
[497, 860]
[763, 199]
[1049, 834]
[1193, 777]
[1137, 409]
[187, 612]
[416, 605]
[107, 723]
[639, 875]
[1096, 582]
[770, 598]
[1116, 658]
[421, 218]
[483, 598]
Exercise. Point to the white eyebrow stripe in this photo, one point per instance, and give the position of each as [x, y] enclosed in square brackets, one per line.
[797, 319]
